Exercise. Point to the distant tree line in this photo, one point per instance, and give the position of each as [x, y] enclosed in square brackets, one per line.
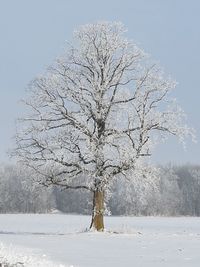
[176, 193]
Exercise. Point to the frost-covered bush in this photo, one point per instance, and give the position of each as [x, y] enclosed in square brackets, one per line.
[14, 257]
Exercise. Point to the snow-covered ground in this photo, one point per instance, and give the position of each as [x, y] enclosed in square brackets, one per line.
[60, 240]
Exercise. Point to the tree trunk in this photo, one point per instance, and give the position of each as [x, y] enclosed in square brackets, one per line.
[98, 211]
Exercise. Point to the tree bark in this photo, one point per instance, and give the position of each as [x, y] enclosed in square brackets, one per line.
[98, 211]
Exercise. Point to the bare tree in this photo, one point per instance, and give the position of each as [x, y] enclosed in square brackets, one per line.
[95, 113]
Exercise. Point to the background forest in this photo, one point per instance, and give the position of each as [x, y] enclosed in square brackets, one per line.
[176, 193]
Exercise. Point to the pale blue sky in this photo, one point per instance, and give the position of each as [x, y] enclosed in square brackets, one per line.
[33, 32]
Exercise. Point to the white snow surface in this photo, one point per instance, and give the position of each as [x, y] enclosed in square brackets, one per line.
[58, 240]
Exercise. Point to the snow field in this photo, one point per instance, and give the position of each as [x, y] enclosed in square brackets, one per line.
[128, 241]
